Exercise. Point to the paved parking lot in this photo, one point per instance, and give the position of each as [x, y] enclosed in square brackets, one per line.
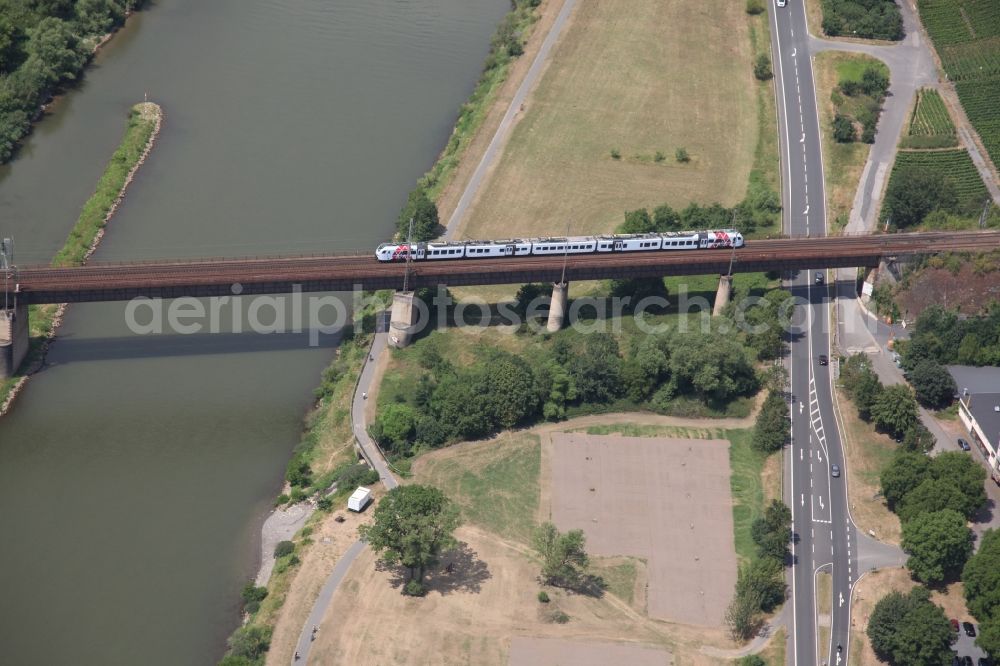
[966, 645]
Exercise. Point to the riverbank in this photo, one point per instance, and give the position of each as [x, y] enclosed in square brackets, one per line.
[145, 120]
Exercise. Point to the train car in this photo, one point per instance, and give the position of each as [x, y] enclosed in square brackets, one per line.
[721, 238]
[629, 242]
[570, 245]
[419, 251]
[497, 248]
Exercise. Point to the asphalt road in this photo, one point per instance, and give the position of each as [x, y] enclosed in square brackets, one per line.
[824, 534]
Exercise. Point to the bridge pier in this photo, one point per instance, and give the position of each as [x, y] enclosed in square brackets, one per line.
[14, 339]
[557, 307]
[403, 320]
[723, 294]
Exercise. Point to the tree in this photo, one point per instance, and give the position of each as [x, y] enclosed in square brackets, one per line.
[762, 67]
[938, 544]
[54, 44]
[772, 531]
[637, 222]
[412, 526]
[910, 630]
[596, 369]
[933, 384]
[648, 367]
[564, 555]
[905, 472]
[895, 410]
[763, 581]
[931, 495]
[250, 642]
[981, 578]
[771, 430]
[513, 395]
[557, 388]
[843, 129]
[716, 370]
[967, 476]
[424, 213]
[398, 422]
[742, 618]
[914, 192]
[665, 218]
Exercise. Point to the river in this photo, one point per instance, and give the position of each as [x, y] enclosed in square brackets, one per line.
[135, 470]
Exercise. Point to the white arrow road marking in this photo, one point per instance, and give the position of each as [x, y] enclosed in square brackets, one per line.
[801, 454]
[841, 599]
[803, 139]
[801, 406]
[821, 502]
[806, 211]
[838, 659]
[803, 499]
[820, 456]
[794, 51]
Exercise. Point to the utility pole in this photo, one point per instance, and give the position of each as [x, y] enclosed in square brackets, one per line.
[7, 266]
[409, 257]
[985, 213]
[562, 280]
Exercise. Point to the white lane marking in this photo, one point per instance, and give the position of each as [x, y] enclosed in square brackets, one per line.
[801, 453]
[803, 499]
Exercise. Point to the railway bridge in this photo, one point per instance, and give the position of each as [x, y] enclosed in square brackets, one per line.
[27, 285]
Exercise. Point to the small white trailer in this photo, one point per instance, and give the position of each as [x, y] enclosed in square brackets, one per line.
[360, 499]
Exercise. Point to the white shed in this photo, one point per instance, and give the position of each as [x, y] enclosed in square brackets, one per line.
[360, 499]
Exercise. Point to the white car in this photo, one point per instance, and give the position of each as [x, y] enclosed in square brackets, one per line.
[781, 3]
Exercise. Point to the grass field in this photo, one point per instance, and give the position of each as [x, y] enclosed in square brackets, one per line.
[966, 34]
[842, 162]
[495, 482]
[930, 125]
[639, 82]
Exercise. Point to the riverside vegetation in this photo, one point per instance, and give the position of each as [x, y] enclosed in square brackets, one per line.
[143, 123]
[44, 45]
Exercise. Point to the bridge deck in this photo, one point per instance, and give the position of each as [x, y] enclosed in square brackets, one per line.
[109, 282]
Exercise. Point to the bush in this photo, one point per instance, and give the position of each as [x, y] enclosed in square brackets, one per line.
[543, 596]
[284, 548]
[414, 588]
[324, 503]
[762, 67]
[282, 499]
[659, 156]
[250, 642]
[253, 593]
[843, 129]
[681, 154]
[771, 430]
[755, 7]
[616, 154]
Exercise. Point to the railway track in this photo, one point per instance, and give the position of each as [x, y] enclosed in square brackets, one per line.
[320, 273]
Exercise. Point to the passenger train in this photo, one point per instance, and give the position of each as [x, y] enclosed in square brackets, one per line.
[679, 240]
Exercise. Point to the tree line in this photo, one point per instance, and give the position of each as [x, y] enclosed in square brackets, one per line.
[500, 389]
[941, 337]
[870, 19]
[760, 583]
[44, 44]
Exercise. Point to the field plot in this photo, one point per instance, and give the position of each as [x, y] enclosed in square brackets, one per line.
[549, 651]
[930, 124]
[665, 500]
[966, 34]
[955, 164]
[635, 78]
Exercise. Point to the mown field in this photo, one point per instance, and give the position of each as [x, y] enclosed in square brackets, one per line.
[639, 83]
[966, 34]
[930, 124]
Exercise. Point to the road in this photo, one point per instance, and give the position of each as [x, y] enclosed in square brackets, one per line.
[497, 142]
[825, 537]
[371, 453]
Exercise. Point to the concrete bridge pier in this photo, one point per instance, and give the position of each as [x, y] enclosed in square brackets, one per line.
[403, 320]
[14, 339]
[557, 307]
[723, 294]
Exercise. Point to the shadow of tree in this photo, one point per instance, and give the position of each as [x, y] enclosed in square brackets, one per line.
[588, 585]
[459, 570]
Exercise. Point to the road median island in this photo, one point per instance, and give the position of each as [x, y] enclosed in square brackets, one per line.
[144, 122]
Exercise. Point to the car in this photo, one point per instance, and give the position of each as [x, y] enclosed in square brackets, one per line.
[781, 3]
[970, 630]
[824, 359]
[819, 277]
[964, 445]
[954, 624]
[966, 660]
[956, 661]
[835, 470]
[985, 661]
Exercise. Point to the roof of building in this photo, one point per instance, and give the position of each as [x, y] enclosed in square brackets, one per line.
[976, 380]
[983, 407]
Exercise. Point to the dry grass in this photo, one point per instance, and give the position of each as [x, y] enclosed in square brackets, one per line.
[867, 453]
[867, 591]
[636, 77]
[842, 162]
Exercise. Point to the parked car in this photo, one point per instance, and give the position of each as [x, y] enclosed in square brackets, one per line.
[954, 625]
[985, 661]
[835, 470]
[824, 359]
[964, 445]
[970, 630]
